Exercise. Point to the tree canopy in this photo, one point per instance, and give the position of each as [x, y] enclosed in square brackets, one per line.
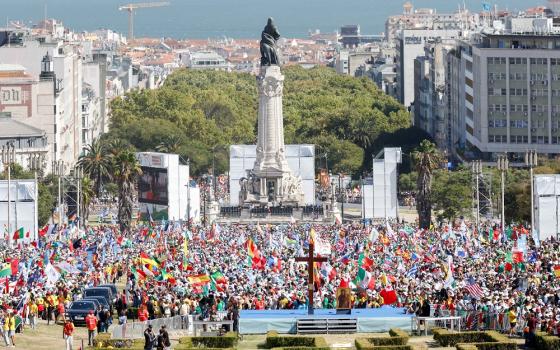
[195, 111]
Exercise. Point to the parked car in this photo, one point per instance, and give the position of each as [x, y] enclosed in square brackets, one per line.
[113, 289]
[104, 292]
[78, 310]
[100, 300]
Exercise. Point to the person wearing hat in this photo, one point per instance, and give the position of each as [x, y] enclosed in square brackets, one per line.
[91, 324]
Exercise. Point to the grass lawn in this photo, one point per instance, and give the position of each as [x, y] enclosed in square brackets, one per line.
[47, 337]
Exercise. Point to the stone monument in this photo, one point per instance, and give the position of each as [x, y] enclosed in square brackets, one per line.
[271, 180]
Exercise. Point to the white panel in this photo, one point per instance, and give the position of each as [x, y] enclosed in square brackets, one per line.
[367, 201]
[548, 217]
[22, 207]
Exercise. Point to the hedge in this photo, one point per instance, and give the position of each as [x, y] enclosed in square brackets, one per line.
[488, 340]
[273, 340]
[545, 341]
[228, 340]
[365, 344]
[397, 339]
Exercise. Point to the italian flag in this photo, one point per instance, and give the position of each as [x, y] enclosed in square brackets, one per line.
[19, 233]
[6, 270]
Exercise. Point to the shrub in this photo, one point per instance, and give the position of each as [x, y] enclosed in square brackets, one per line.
[104, 341]
[396, 337]
[229, 340]
[365, 344]
[273, 340]
[489, 340]
[545, 341]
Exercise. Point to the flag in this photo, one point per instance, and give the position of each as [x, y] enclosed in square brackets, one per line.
[389, 295]
[199, 279]
[6, 270]
[474, 290]
[486, 7]
[555, 268]
[517, 257]
[252, 249]
[147, 260]
[138, 274]
[412, 272]
[362, 278]
[218, 277]
[19, 233]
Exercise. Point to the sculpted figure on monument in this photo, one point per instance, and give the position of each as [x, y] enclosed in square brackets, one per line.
[269, 37]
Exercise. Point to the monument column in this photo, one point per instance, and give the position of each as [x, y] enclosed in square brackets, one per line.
[270, 143]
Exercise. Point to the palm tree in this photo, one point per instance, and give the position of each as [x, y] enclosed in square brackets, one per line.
[116, 146]
[172, 144]
[87, 193]
[126, 172]
[96, 163]
[426, 159]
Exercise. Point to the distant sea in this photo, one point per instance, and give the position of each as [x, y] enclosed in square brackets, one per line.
[230, 18]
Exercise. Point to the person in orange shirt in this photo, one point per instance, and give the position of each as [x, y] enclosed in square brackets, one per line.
[91, 324]
[67, 334]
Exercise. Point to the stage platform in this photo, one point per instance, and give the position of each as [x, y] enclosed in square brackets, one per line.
[284, 321]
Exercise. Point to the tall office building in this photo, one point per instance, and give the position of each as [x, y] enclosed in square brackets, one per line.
[512, 92]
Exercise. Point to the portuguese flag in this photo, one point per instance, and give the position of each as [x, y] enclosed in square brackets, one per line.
[19, 233]
[6, 270]
[218, 277]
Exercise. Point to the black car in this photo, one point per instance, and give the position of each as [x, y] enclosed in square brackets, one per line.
[79, 309]
[104, 292]
[100, 300]
[113, 289]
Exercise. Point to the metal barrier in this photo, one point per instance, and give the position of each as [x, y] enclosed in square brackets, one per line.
[451, 322]
[135, 330]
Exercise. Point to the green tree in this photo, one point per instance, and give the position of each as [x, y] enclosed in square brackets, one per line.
[126, 172]
[426, 159]
[197, 110]
[407, 182]
[452, 193]
[96, 164]
[87, 193]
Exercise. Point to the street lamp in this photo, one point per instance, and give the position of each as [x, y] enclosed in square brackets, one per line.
[503, 165]
[36, 165]
[78, 176]
[58, 171]
[477, 171]
[532, 160]
[8, 158]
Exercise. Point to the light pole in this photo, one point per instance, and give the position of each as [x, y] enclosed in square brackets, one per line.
[58, 171]
[8, 158]
[503, 165]
[189, 195]
[78, 176]
[477, 170]
[532, 160]
[36, 165]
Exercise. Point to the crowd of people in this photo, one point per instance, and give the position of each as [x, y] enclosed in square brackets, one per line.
[490, 277]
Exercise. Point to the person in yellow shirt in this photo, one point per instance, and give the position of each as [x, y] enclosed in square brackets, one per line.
[33, 314]
[10, 328]
[512, 317]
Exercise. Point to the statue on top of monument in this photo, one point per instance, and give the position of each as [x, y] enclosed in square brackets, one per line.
[269, 37]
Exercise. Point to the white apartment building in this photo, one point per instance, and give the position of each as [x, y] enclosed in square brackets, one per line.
[39, 56]
[410, 45]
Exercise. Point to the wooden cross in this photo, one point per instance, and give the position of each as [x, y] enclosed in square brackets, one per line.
[310, 259]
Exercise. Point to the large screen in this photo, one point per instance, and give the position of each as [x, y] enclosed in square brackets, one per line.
[152, 186]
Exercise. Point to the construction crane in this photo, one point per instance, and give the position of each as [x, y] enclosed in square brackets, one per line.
[139, 5]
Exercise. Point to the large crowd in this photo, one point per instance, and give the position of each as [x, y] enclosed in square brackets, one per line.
[168, 269]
